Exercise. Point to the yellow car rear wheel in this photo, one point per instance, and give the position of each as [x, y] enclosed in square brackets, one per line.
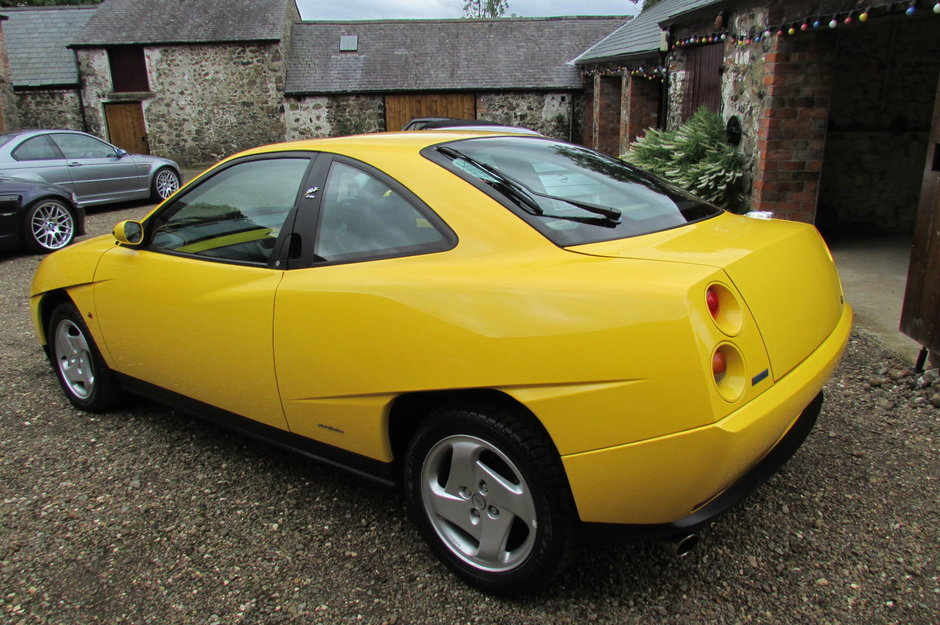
[489, 494]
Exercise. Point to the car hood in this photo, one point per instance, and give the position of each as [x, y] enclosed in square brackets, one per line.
[782, 269]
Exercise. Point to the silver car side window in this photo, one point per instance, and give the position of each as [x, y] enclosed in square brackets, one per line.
[80, 146]
[39, 148]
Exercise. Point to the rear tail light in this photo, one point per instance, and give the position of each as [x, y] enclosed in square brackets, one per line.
[719, 363]
[729, 371]
[724, 307]
[713, 302]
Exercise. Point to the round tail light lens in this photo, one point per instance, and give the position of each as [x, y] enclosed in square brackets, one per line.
[719, 363]
[713, 301]
[729, 370]
[724, 308]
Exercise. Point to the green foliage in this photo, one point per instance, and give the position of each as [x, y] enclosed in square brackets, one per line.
[646, 3]
[485, 8]
[695, 156]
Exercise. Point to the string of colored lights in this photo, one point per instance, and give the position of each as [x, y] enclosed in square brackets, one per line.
[789, 28]
[810, 23]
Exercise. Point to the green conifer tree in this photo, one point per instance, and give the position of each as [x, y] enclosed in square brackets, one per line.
[696, 156]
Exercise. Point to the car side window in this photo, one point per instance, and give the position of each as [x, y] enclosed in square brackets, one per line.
[39, 148]
[236, 215]
[80, 146]
[364, 218]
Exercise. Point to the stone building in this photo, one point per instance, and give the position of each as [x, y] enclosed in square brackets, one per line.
[366, 76]
[196, 81]
[202, 79]
[834, 97]
[44, 82]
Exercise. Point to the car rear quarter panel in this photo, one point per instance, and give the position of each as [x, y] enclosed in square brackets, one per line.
[603, 351]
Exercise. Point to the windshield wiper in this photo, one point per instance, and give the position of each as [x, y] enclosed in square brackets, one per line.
[522, 194]
[500, 182]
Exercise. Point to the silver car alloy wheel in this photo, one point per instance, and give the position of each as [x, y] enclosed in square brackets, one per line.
[73, 358]
[478, 503]
[52, 225]
[166, 183]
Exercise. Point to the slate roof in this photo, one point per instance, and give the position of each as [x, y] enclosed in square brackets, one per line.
[184, 21]
[442, 55]
[639, 36]
[35, 41]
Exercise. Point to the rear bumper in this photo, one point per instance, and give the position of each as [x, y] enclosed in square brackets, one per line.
[681, 481]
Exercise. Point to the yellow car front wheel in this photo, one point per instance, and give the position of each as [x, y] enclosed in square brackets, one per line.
[86, 379]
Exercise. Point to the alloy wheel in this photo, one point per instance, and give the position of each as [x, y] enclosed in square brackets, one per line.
[73, 358]
[478, 503]
[52, 225]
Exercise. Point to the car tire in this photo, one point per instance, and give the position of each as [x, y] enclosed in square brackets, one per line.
[87, 380]
[49, 225]
[490, 497]
[165, 183]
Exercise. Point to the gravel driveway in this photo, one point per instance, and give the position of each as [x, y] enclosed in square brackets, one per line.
[148, 516]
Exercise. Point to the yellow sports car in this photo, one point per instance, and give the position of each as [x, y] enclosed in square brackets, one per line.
[533, 339]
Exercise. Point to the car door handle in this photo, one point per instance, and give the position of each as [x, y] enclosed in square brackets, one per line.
[75, 164]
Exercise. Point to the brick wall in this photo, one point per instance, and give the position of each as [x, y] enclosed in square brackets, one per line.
[641, 108]
[608, 94]
[588, 128]
[792, 132]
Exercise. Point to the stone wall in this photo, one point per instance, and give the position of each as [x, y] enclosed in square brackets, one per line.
[96, 87]
[9, 115]
[743, 93]
[205, 101]
[314, 116]
[50, 108]
[213, 100]
[547, 113]
[356, 114]
[310, 117]
[307, 117]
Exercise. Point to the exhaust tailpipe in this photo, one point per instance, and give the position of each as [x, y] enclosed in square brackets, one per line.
[679, 545]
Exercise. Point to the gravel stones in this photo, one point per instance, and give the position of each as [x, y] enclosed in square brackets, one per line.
[146, 515]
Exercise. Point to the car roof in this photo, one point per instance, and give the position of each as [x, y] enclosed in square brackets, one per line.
[416, 141]
[39, 131]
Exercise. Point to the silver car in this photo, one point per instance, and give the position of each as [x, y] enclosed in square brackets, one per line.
[96, 171]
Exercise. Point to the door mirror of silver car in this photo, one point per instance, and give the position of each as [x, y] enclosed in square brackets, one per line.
[121, 153]
[129, 232]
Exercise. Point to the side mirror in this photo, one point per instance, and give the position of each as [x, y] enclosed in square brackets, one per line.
[129, 232]
[121, 153]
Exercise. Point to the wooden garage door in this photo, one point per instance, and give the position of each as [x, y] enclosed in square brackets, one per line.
[126, 126]
[920, 316]
[401, 109]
